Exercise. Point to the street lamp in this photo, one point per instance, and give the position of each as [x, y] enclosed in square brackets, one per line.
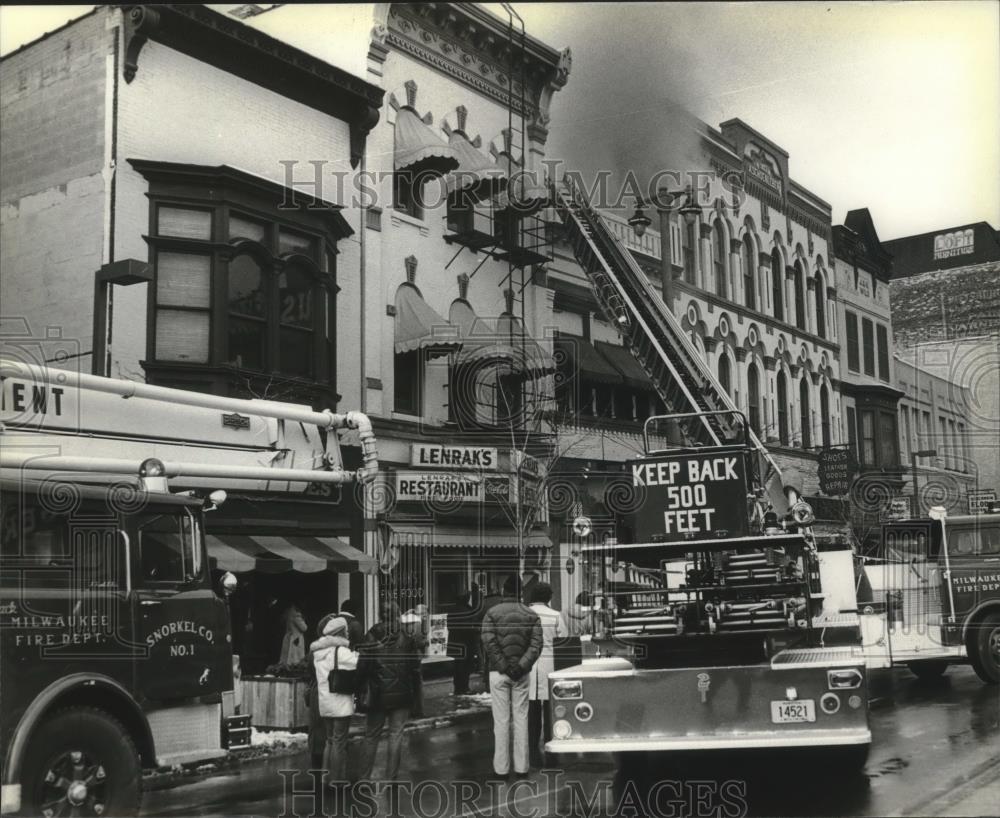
[639, 221]
[913, 465]
[690, 210]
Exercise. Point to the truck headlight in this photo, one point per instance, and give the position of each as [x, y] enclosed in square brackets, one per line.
[583, 712]
[567, 689]
[844, 679]
[562, 729]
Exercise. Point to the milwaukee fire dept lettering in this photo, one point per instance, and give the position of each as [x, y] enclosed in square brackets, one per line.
[689, 496]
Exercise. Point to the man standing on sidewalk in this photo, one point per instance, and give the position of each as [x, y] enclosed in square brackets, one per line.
[512, 638]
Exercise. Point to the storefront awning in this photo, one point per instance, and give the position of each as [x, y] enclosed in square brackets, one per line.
[418, 326]
[476, 177]
[275, 555]
[418, 148]
[623, 361]
[469, 538]
[583, 361]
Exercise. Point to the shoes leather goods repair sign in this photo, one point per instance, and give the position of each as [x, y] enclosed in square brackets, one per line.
[684, 497]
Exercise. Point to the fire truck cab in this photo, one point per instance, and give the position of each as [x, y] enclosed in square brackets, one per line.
[935, 595]
[116, 648]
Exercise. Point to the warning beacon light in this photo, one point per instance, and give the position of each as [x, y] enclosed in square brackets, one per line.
[153, 475]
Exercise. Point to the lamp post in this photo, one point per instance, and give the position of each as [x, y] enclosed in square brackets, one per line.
[913, 465]
[665, 205]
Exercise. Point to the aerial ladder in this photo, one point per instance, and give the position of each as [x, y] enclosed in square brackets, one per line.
[651, 332]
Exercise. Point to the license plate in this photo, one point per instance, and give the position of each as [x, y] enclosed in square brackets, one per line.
[793, 712]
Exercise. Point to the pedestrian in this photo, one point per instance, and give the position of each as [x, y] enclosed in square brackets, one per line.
[512, 638]
[576, 617]
[317, 729]
[492, 598]
[355, 629]
[462, 637]
[390, 663]
[336, 665]
[553, 627]
[293, 645]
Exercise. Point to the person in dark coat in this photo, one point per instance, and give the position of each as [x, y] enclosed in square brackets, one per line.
[512, 637]
[463, 634]
[491, 599]
[355, 630]
[390, 663]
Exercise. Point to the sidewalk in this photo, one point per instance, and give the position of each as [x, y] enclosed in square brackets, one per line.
[441, 709]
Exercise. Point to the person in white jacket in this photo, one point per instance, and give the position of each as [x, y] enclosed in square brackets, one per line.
[330, 650]
[553, 627]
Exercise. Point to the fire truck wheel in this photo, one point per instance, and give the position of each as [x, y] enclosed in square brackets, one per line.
[928, 671]
[81, 762]
[984, 648]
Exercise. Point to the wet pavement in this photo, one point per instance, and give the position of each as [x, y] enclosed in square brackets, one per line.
[936, 751]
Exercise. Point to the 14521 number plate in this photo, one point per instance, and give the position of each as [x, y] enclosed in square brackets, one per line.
[793, 712]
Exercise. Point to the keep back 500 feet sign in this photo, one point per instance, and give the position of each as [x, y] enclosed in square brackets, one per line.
[690, 496]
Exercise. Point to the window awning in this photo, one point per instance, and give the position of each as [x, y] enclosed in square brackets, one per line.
[484, 340]
[585, 362]
[623, 361]
[530, 357]
[418, 148]
[467, 538]
[418, 326]
[275, 555]
[477, 177]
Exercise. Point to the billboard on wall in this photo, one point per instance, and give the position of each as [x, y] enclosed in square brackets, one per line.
[690, 497]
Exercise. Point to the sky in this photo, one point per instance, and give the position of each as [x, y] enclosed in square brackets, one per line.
[893, 106]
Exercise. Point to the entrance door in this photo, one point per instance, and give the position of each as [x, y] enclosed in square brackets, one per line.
[183, 624]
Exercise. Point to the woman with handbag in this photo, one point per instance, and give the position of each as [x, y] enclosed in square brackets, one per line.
[336, 683]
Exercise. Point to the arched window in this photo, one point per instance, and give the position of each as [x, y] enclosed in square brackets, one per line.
[753, 398]
[724, 379]
[749, 274]
[778, 284]
[689, 246]
[782, 399]
[820, 307]
[824, 413]
[247, 313]
[719, 256]
[805, 416]
[800, 296]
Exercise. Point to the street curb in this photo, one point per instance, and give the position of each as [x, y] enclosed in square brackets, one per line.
[165, 779]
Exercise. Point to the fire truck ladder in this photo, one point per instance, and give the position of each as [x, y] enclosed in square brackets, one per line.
[652, 333]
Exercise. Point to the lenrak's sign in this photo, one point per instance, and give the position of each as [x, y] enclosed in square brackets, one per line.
[454, 457]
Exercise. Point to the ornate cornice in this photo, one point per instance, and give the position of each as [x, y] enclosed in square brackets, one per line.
[228, 44]
[471, 46]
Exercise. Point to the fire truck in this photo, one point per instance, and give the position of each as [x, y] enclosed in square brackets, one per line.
[935, 596]
[116, 647]
[721, 619]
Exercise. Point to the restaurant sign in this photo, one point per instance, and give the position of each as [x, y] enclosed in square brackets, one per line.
[453, 457]
[414, 485]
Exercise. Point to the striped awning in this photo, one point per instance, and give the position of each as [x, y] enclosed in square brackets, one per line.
[418, 148]
[275, 555]
[466, 538]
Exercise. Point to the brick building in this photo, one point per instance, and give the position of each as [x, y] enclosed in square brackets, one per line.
[867, 365]
[945, 295]
[146, 216]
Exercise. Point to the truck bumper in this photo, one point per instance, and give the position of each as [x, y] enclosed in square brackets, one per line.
[775, 740]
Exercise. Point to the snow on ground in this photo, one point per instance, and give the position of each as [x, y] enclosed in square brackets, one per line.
[275, 738]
